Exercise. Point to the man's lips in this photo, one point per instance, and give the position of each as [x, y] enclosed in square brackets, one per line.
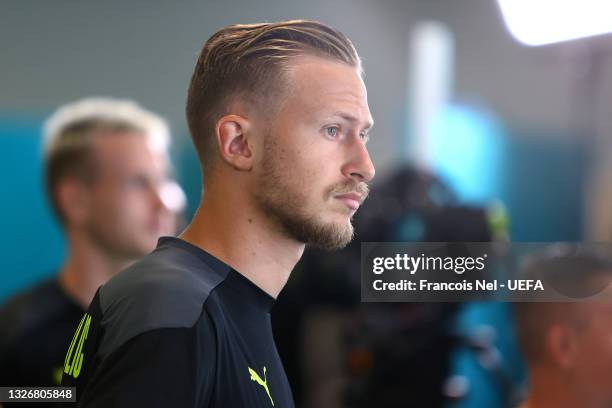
[351, 200]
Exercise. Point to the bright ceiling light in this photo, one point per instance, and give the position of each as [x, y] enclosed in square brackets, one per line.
[540, 22]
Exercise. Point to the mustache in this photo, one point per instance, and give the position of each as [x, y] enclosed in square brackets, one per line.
[361, 188]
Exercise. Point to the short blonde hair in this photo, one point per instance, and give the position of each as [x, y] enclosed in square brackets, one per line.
[67, 135]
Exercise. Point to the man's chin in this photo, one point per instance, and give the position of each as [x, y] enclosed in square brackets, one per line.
[343, 209]
[144, 247]
[327, 229]
[331, 236]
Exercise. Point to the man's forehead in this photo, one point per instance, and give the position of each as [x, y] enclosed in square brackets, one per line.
[345, 107]
[331, 88]
[325, 72]
[124, 142]
[126, 150]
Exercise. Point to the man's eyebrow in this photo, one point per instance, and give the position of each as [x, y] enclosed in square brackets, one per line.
[353, 119]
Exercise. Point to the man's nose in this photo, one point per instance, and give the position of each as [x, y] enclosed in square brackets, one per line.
[172, 196]
[359, 166]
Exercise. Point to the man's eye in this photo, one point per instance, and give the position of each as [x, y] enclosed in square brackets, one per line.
[137, 182]
[364, 136]
[332, 131]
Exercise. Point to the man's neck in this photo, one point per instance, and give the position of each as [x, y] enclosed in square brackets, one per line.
[87, 268]
[548, 389]
[243, 239]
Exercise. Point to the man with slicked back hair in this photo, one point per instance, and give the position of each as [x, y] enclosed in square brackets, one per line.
[279, 118]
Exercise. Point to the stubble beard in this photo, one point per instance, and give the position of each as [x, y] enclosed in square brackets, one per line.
[282, 202]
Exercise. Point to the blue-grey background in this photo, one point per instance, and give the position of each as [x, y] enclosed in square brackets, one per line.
[523, 102]
[529, 127]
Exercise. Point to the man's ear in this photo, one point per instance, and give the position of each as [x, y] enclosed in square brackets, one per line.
[234, 141]
[561, 343]
[73, 199]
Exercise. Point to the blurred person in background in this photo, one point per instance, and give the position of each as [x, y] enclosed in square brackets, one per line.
[568, 346]
[108, 179]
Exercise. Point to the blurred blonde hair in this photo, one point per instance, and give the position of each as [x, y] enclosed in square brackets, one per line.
[68, 132]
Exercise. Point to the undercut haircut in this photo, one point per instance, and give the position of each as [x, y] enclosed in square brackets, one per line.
[68, 134]
[249, 61]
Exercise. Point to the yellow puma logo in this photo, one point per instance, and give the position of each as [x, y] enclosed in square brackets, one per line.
[255, 377]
